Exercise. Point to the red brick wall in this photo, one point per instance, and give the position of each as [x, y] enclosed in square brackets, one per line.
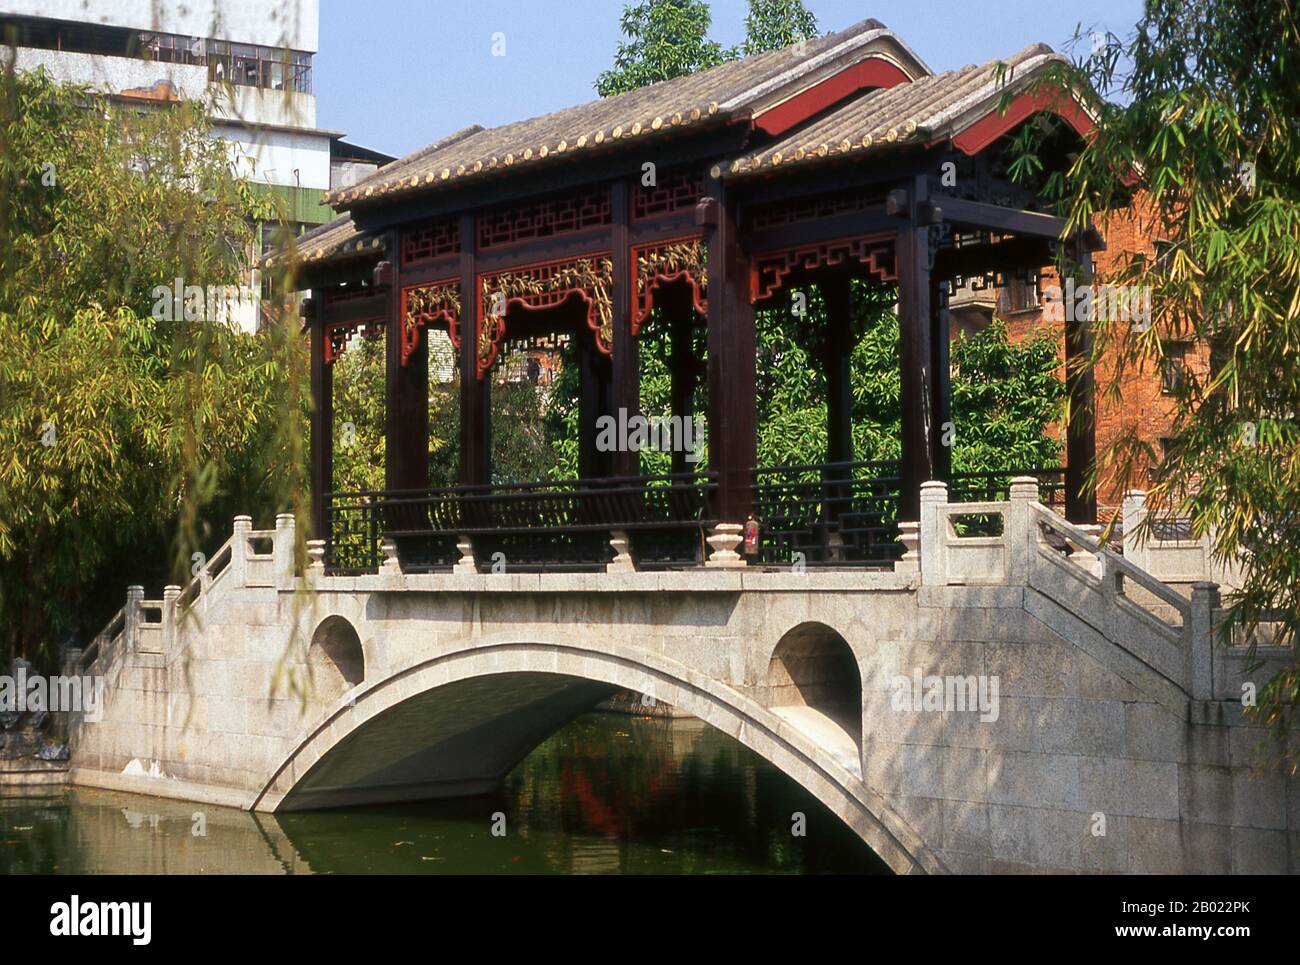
[1135, 405]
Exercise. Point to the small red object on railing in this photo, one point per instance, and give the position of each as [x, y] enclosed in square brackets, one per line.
[750, 533]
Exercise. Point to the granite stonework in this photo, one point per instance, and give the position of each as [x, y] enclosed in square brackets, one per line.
[1115, 740]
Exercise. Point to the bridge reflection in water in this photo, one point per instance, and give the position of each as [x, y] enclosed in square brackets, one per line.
[606, 794]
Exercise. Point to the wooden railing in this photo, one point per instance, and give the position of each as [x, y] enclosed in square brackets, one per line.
[528, 526]
[828, 514]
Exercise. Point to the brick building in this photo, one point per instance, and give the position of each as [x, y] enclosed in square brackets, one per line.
[1139, 404]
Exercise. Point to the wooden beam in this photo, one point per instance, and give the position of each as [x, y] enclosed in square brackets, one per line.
[1009, 255]
[852, 225]
[322, 421]
[625, 375]
[732, 388]
[475, 394]
[357, 309]
[1014, 221]
[683, 368]
[915, 354]
[941, 382]
[837, 292]
[406, 446]
[1081, 427]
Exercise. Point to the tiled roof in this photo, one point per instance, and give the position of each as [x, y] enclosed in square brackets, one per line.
[927, 108]
[713, 96]
[333, 240]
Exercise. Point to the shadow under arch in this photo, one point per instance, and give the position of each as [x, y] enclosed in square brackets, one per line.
[814, 674]
[379, 745]
[336, 658]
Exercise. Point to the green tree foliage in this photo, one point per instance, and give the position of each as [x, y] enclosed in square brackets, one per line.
[1005, 396]
[1199, 123]
[775, 24]
[665, 39]
[360, 397]
[121, 433]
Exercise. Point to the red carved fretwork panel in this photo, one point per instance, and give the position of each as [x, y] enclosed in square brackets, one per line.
[674, 191]
[536, 287]
[424, 305]
[546, 218]
[875, 253]
[338, 334]
[426, 242]
[668, 261]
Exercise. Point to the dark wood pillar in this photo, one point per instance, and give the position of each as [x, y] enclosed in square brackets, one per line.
[593, 402]
[915, 353]
[322, 419]
[475, 395]
[732, 424]
[837, 291]
[1081, 429]
[941, 382]
[625, 373]
[406, 445]
[683, 367]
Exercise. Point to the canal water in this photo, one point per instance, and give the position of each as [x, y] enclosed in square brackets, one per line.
[606, 794]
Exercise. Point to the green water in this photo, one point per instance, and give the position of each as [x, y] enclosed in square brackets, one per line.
[606, 794]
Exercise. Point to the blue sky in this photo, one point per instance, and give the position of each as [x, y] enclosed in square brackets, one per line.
[398, 74]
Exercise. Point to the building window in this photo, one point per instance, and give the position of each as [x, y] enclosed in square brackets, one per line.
[1173, 366]
[248, 65]
[1018, 295]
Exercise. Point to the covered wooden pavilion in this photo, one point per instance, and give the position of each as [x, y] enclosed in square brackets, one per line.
[839, 158]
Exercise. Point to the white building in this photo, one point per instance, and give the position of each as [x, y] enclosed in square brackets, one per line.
[259, 51]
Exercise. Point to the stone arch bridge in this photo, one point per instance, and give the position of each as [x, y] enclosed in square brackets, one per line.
[991, 703]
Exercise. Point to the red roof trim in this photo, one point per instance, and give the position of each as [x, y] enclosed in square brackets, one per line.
[976, 137]
[866, 74]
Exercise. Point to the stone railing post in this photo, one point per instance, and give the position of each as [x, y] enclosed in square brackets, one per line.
[934, 495]
[132, 615]
[315, 559]
[1134, 515]
[282, 550]
[909, 534]
[465, 565]
[1020, 534]
[622, 561]
[170, 594]
[722, 543]
[239, 551]
[392, 564]
[1200, 640]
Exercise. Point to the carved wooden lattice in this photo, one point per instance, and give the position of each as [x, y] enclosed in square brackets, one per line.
[424, 305]
[338, 334]
[874, 252]
[544, 219]
[441, 237]
[545, 286]
[668, 261]
[675, 191]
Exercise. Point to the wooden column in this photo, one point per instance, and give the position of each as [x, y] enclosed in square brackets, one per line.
[406, 445]
[915, 353]
[589, 407]
[941, 381]
[625, 374]
[475, 395]
[322, 419]
[683, 367]
[732, 420]
[1081, 429]
[837, 361]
